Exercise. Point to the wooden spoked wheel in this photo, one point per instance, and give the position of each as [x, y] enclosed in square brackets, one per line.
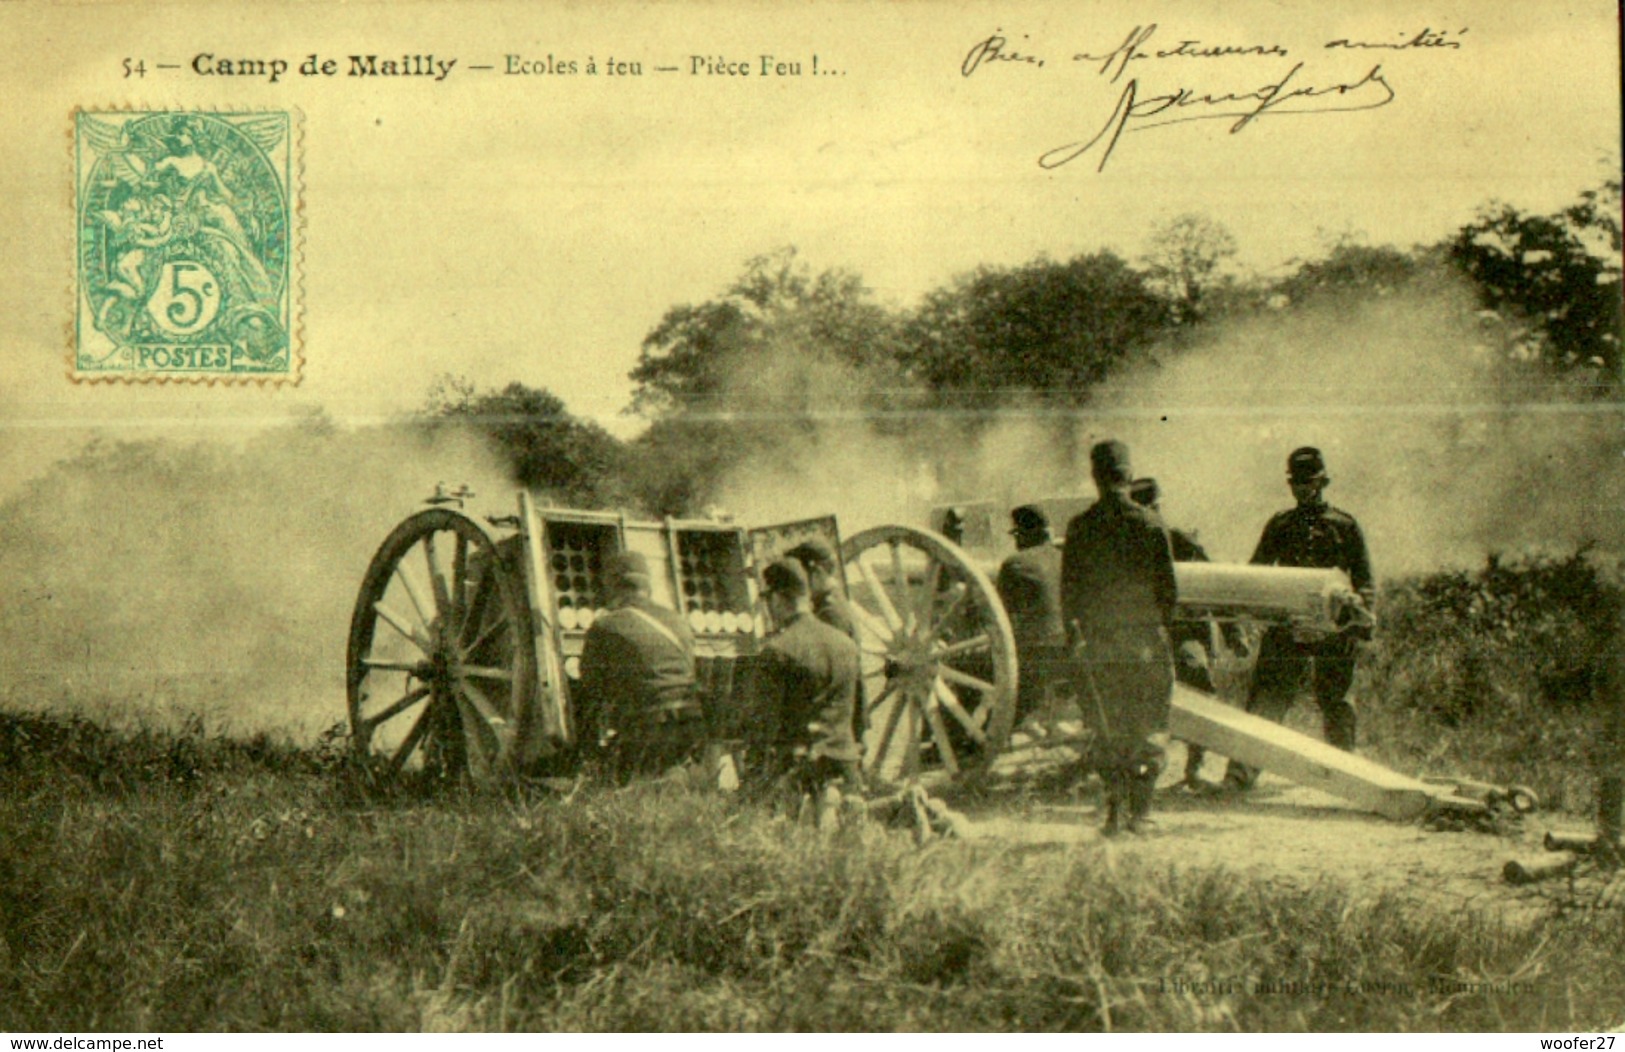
[441, 666]
[939, 660]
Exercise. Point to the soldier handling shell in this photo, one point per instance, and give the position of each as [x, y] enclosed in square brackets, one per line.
[808, 687]
[1313, 534]
[829, 604]
[1029, 584]
[817, 558]
[637, 678]
[1118, 594]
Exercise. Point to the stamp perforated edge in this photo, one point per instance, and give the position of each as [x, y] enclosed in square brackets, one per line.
[296, 255]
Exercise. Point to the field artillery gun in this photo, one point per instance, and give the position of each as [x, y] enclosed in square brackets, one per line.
[1315, 604]
[466, 637]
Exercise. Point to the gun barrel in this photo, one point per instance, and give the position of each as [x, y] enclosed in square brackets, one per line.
[1308, 598]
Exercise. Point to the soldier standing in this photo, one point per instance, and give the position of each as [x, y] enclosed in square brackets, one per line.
[808, 689]
[1192, 641]
[1313, 534]
[1029, 585]
[1118, 594]
[637, 677]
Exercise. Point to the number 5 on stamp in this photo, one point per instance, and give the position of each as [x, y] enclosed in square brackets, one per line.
[187, 246]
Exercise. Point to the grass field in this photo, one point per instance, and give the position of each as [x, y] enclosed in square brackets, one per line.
[173, 882]
[173, 879]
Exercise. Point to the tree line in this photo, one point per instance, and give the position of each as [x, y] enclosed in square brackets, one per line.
[786, 347]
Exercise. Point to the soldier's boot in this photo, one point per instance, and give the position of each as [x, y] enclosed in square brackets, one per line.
[1194, 755]
[1338, 721]
[1238, 777]
[1116, 804]
[1142, 784]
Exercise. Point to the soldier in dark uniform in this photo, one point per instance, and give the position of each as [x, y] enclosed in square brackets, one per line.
[829, 605]
[1192, 641]
[807, 687]
[1312, 534]
[637, 677]
[1029, 585]
[1118, 594]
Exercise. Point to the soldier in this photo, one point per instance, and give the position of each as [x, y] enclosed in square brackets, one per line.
[1318, 535]
[808, 688]
[637, 677]
[830, 606]
[817, 558]
[1029, 585]
[1118, 594]
[1192, 641]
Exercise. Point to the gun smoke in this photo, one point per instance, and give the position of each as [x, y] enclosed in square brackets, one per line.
[157, 579]
[1443, 445]
[165, 577]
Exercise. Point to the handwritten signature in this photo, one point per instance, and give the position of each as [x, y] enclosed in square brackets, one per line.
[1281, 98]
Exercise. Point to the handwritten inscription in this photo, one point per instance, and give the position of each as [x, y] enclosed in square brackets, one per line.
[1294, 90]
[1427, 38]
[1241, 108]
[1133, 49]
[995, 49]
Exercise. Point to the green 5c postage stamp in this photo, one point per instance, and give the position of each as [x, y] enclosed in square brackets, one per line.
[187, 250]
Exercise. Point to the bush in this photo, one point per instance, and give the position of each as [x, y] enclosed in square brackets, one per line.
[1494, 672]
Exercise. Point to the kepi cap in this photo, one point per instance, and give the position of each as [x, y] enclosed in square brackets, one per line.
[1029, 518]
[814, 551]
[1109, 460]
[1305, 464]
[785, 577]
[625, 565]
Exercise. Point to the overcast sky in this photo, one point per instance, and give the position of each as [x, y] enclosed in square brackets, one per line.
[534, 227]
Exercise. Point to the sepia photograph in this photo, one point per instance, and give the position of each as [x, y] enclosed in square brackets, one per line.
[720, 516]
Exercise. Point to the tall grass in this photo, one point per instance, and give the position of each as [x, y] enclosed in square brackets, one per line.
[1494, 673]
[162, 881]
[168, 878]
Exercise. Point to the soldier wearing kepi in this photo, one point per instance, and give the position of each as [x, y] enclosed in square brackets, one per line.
[1118, 594]
[1029, 585]
[1192, 641]
[808, 688]
[637, 677]
[1313, 534]
[817, 558]
[829, 604]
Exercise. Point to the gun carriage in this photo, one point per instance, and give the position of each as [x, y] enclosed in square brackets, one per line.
[465, 641]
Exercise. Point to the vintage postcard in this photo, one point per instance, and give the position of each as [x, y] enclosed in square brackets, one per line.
[714, 515]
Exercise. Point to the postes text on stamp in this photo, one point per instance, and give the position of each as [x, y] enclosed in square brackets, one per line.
[186, 246]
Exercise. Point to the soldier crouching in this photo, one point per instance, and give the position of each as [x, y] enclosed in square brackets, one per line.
[640, 706]
[807, 688]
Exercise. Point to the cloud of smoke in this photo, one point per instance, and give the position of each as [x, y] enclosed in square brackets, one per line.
[219, 579]
[160, 578]
[1442, 448]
